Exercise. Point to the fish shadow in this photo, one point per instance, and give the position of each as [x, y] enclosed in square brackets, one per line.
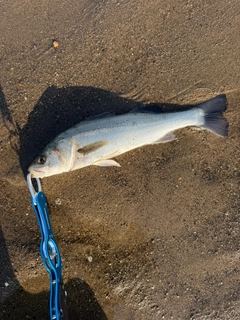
[58, 109]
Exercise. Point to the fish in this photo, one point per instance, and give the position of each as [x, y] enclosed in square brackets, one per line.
[97, 140]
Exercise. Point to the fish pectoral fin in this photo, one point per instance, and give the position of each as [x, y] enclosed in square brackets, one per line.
[106, 163]
[92, 147]
[168, 137]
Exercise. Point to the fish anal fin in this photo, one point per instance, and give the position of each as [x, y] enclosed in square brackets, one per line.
[92, 147]
[170, 136]
[106, 163]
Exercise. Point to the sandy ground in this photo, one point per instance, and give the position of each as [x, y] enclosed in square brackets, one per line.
[158, 238]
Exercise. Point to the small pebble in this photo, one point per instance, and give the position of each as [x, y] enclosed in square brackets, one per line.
[90, 259]
[6, 284]
[55, 44]
[58, 201]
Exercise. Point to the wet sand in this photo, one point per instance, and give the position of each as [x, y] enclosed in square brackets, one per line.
[159, 237]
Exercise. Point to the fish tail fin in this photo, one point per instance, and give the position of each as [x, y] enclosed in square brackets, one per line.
[214, 120]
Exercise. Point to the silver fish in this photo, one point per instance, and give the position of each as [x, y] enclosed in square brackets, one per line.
[97, 140]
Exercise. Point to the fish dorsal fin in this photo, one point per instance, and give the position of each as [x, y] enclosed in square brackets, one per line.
[147, 109]
[106, 163]
[100, 116]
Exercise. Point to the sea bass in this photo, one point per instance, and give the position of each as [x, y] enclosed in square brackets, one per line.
[97, 140]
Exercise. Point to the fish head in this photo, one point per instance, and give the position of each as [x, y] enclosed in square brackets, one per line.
[51, 161]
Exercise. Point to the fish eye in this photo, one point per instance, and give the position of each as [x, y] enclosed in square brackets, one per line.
[41, 160]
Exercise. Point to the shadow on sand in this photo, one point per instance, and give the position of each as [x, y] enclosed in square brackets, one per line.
[15, 303]
[81, 304]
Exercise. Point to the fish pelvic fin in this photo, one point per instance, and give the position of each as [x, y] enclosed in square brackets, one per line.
[92, 147]
[214, 120]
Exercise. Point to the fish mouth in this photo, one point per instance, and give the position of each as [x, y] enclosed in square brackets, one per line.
[36, 172]
[38, 169]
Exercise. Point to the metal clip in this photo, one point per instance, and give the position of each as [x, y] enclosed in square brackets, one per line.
[30, 185]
